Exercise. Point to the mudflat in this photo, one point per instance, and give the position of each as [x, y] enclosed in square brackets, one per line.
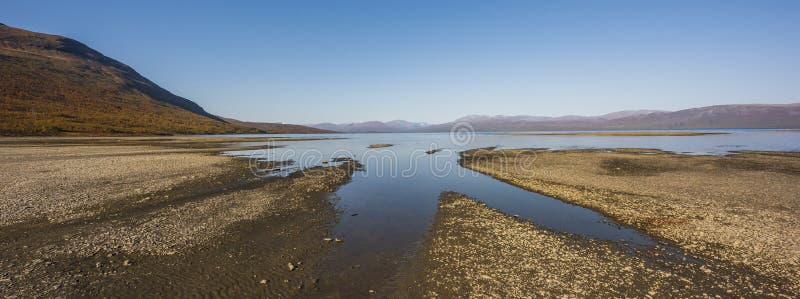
[157, 216]
[742, 210]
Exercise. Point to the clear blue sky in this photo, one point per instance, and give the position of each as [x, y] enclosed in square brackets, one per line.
[341, 61]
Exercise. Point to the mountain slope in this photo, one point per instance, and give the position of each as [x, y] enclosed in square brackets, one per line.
[52, 85]
[276, 128]
[711, 117]
[719, 116]
[372, 126]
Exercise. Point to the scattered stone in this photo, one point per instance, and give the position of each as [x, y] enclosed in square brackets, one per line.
[739, 208]
[433, 151]
[291, 266]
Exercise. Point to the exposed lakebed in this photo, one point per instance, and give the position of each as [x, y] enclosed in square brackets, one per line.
[388, 207]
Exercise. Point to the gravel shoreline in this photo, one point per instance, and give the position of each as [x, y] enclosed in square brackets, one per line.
[167, 219]
[741, 209]
[476, 251]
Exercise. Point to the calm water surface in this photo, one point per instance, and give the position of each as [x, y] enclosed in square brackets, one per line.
[396, 196]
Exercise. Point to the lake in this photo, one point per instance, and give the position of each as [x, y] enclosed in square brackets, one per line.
[387, 208]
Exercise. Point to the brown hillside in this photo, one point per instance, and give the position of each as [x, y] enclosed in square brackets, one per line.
[52, 85]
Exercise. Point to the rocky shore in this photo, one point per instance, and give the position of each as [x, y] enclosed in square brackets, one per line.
[742, 209]
[476, 251]
[156, 217]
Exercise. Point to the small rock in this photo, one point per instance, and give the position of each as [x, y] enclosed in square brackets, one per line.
[291, 266]
[327, 239]
[263, 281]
[126, 263]
[338, 240]
[372, 291]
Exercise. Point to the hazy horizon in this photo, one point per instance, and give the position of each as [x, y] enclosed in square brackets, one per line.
[310, 63]
[523, 114]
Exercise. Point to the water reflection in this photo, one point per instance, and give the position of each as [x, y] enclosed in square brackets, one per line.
[388, 206]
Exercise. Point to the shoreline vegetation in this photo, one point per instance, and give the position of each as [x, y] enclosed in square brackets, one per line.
[158, 216]
[618, 134]
[740, 209]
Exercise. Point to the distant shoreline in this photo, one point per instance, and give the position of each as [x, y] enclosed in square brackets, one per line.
[598, 133]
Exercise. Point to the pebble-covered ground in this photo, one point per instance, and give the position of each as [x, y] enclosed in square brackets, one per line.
[158, 219]
[169, 217]
[477, 252]
[741, 209]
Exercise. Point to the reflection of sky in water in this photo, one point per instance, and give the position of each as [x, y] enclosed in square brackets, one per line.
[396, 195]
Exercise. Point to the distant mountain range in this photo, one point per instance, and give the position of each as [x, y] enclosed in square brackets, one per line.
[53, 85]
[373, 127]
[711, 117]
[278, 128]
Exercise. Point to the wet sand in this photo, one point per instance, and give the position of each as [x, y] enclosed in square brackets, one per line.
[742, 209]
[158, 217]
